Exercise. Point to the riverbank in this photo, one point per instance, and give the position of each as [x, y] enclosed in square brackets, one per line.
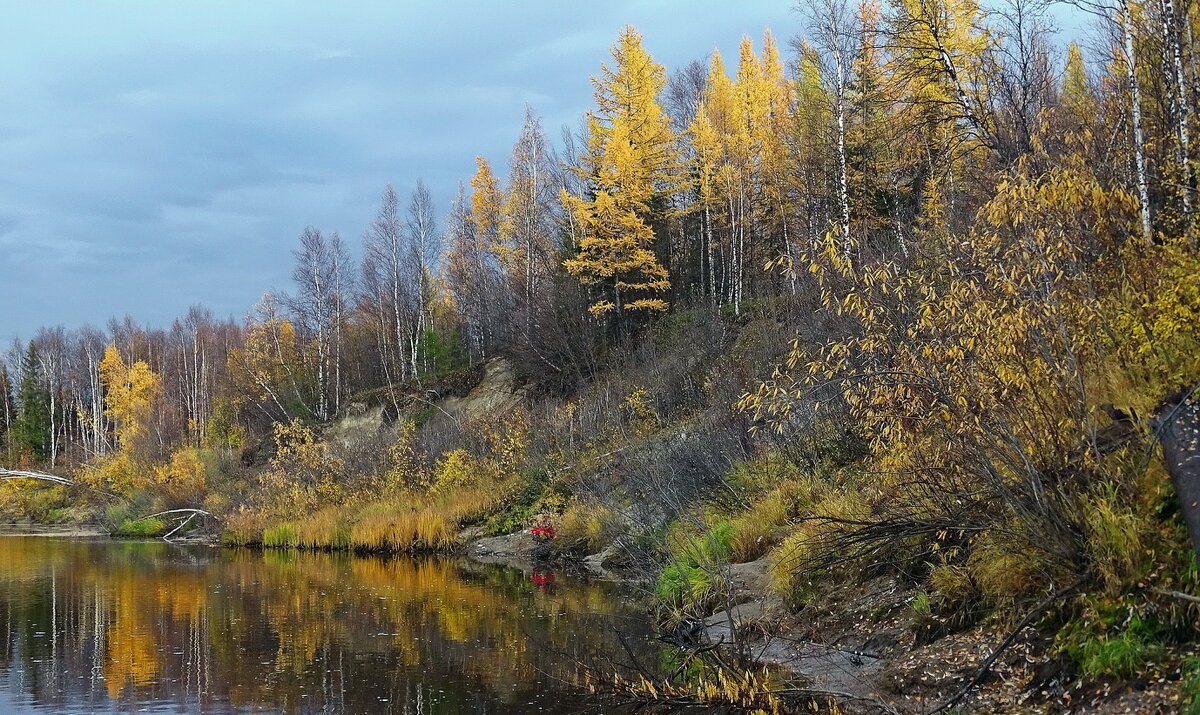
[867, 645]
[63, 530]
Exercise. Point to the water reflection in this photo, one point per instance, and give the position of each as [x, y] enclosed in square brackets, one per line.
[97, 626]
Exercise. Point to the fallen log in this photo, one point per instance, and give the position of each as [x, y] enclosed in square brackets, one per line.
[9, 474]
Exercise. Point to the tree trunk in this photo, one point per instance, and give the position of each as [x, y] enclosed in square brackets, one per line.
[1135, 115]
[1177, 424]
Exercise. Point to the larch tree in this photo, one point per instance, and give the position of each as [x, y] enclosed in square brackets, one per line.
[1077, 94]
[632, 164]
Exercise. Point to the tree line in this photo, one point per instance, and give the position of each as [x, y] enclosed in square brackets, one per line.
[874, 144]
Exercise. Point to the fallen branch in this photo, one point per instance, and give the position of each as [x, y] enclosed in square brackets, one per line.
[191, 514]
[1176, 594]
[987, 664]
[7, 474]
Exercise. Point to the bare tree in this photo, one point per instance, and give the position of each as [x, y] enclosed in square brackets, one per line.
[387, 284]
[315, 305]
[425, 253]
[835, 32]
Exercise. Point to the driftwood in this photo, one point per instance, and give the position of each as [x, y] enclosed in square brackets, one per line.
[191, 514]
[8, 474]
[11, 474]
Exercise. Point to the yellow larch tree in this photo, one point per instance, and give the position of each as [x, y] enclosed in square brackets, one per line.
[486, 200]
[632, 165]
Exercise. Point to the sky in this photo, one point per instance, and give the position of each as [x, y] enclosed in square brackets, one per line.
[158, 154]
[155, 155]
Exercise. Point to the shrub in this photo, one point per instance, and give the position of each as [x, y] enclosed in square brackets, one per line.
[183, 479]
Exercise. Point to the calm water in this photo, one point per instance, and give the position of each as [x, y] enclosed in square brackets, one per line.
[93, 626]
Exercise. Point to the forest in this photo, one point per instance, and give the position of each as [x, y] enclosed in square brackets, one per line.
[914, 295]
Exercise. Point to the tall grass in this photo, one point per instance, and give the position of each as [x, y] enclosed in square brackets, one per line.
[415, 524]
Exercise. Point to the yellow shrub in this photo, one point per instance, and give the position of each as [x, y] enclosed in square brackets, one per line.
[182, 480]
[1005, 570]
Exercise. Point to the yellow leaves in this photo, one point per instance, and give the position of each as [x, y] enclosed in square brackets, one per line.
[616, 251]
[485, 202]
[130, 392]
[183, 479]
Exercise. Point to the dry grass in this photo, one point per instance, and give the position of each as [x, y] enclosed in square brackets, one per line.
[1005, 571]
[815, 535]
[1116, 538]
[324, 530]
[756, 532]
[583, 527]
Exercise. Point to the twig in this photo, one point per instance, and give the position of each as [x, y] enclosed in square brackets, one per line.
[1177, 594]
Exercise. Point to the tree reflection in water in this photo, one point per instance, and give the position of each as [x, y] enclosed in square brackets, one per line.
[99, 626]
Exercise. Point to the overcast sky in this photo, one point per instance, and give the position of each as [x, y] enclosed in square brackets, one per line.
[156, 154]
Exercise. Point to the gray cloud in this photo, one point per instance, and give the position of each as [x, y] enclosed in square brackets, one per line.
[154, 155]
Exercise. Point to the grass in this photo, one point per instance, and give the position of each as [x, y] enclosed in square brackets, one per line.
[141, 528]
[280, 536]
[1118, 650]
[1189, 671]
[689, 580]
[398, 525]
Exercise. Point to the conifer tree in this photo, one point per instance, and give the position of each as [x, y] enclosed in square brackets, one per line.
[632, 164]
[31, 430]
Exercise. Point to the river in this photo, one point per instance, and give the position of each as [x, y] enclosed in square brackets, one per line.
[99, 626]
